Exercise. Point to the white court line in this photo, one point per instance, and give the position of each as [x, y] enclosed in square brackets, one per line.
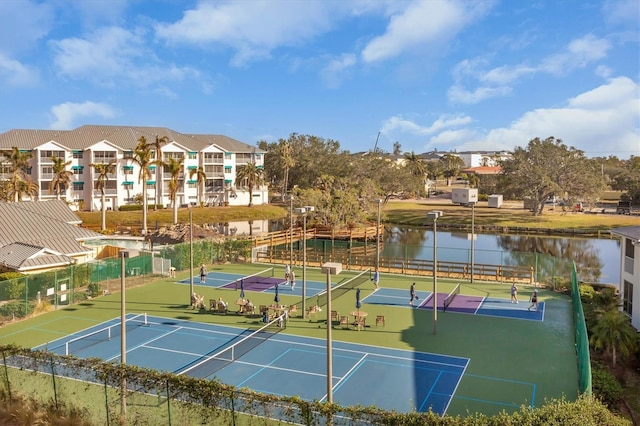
[144, 343]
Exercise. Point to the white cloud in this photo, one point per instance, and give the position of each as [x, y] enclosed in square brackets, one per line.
[578, 54]
[112, 56]
[398, 125]
[497, 81]
[620, 11]
[22, 24]
[458, 94]
[337, 69]
[602, 121]
[420, 24]
[253, 32]
[15, 74]
[65, 115]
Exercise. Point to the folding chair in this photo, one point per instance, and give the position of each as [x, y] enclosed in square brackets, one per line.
[293, 309]
[344, 321]
[380, 320]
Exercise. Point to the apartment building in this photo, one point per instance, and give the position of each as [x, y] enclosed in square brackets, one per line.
[217, 155]
[629, 286]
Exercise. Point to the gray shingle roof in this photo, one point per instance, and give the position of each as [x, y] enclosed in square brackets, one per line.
[22, 257]
[630, 232]
[125, 137]
[53, 209]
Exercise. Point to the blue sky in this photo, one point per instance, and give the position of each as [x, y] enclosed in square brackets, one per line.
[429, 74]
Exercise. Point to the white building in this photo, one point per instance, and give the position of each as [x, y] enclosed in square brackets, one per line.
[218, 156]
[482, 158]
[630, 272]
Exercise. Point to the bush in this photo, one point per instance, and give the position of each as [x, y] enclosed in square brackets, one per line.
[606, 386]
[17, 309]
[10, 275]
[133, 207]
[95, 289]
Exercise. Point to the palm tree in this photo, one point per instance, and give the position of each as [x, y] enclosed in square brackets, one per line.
[19, 182]
[175, 169]
[159, 161]
[201, 177]
[61, 176]
[142, 156]
[250, 176]
[614, 333]
[452, 165]
[288, 162]
[103, 170]
[417, 167]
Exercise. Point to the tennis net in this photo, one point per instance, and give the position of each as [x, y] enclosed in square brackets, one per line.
[257, 278]
[449, 298]
[342, 287]
[208, 364]
[103, 334]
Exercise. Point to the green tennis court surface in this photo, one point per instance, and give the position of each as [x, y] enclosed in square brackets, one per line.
[510, 362]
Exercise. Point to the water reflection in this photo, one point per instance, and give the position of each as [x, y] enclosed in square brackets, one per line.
[597, 260]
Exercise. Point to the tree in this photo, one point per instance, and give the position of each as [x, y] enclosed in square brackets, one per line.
[175, 169]
[142, 156]
[159, 161]
[103, 170]
[288, 162]
[614, 333]
[451, 165]
[201, 177]
[628, 180]
[250, 176]
[19, 183]
[61, 176]
[416, 167]
[547, 168]
[434, 170]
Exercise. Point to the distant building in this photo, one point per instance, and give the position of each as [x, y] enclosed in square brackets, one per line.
[629, 285]
[219, 157]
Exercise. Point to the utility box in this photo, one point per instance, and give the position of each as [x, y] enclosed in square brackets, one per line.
[495, 201]
[464, 196]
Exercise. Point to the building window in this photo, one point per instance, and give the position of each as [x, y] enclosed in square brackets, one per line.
[192, 184]
[47, 154]
[629, 255]
[127, 154]
[128, 185]
[77, 154]
[627, 299]
[193, 156]
[227, 156]
[78, 186]
[227, 169]
[77, 171]
[104, 157]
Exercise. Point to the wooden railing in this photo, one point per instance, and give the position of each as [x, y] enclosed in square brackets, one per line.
[420, 267]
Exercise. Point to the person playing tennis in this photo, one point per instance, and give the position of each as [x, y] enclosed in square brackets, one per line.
[412, 293]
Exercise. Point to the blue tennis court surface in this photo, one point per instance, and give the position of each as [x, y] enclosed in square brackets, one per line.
[465, 304]
[227, 281]
[282, 364]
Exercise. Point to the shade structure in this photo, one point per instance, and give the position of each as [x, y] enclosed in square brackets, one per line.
[242, 288]
[358, 298]
[276, 298]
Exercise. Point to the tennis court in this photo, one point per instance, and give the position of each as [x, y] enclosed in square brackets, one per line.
[459, 303]
[276, 363]
[507, 365]
[264, 281]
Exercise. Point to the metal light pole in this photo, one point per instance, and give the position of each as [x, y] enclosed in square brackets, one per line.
[473, 236]
[123, 338]
[434, 215]
[291, 231]
[330, 268]
[190, 253]
[304, 211]
[124, 254]
[379, 201]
